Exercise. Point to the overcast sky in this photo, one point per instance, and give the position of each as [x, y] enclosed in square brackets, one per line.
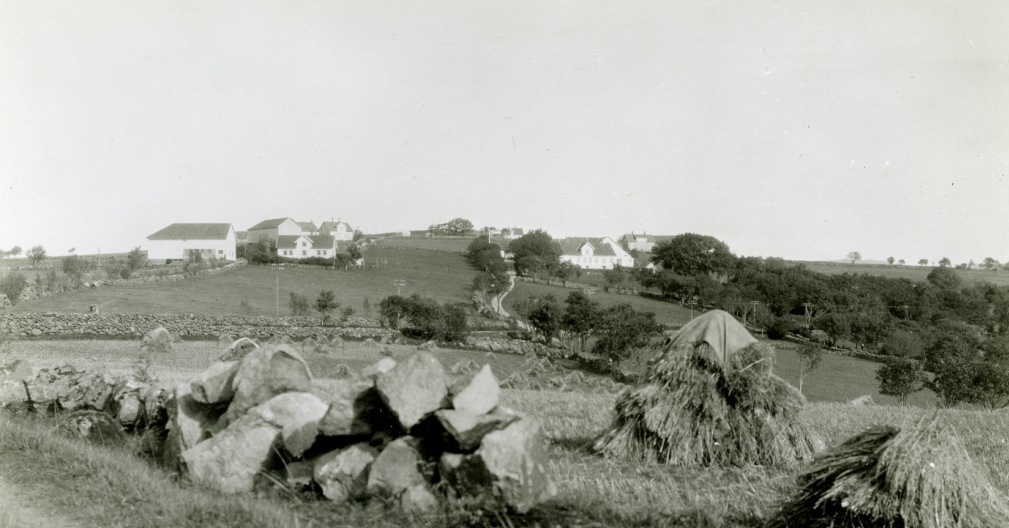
[784, 128]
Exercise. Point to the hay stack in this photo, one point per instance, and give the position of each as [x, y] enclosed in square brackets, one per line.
[917, 477]
[711, 399]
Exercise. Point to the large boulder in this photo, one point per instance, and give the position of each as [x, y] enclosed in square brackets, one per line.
[468, 429]
[159, 340]
[265, 373]
[192, 421]
[297, 414]
[67, 388]
[94, 426]
[216, 384]
[480, 395]
[414, 388]
[12, 377]
[418, 499]
[230, 460]
[238, 349]
[155, 399]
[510, 466]
[396, 469]
[127, 406]
[355, 408]
[343, 474]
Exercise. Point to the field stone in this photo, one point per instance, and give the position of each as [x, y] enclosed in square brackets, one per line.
[155, 399]
[16, 370]
[229, 461]
[93, 426]
[298, 474]
[480, 395]
[516, 461]
[468, 429]
[354, 406]
[224, 340]
[297, 414]
[396, 468]
[418, 499]
[158, 340]
[265, 373]
[414, 388]
[193, 421]
[379, 367]
[343, 474]
[127, 405]
[216, 384]
[427, 346]
[238, 349]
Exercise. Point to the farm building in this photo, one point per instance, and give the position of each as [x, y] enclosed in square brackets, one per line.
[181, 241]
[594, 253]
[339, 230]
[642, 242]
[270, 230]
[304, 246]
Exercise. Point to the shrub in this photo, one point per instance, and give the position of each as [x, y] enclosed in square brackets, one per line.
[12, 285]
[900, 378]
[780, 327]
[424, 318]
[325, 303]
[298, 304]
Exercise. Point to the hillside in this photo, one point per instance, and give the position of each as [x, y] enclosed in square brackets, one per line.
[440, 275]
[914, 273]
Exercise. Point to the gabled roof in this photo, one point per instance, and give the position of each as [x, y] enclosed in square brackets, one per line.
[193, 232]
[655, 239]
[241, 235]
[316, 241]
[308, 226]
[270, 224]
[573, 246]
[332, 226]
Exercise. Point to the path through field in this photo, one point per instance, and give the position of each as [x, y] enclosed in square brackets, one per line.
[19, 509]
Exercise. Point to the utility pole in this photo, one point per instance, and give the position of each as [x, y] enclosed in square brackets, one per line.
[278, 292]
[398, 283]
[753, 305]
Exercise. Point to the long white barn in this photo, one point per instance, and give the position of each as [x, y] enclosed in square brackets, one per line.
[180, 241]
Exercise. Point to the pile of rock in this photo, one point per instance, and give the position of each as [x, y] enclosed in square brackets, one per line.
[395, 430]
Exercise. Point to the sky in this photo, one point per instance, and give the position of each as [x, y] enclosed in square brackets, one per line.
[788, 128]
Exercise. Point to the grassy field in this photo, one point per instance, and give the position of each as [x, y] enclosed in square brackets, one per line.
[668, 314]
[450, 244]
[915, 273]
[98, 486]
[442, 276]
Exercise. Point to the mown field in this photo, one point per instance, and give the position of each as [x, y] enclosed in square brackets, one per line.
[109, 487]
[668, 314]
[450, 244]
[440, 275]
[914, 273]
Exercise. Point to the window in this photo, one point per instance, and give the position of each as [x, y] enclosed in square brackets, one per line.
[304, 252]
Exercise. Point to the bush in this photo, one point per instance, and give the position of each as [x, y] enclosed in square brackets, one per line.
[901, 378]
[781, 327]
[298, 304]
[12, 285]
[424, 318]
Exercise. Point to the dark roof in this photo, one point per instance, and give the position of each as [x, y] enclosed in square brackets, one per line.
[308, 226]
[573, 246]
[318, 241]
[331, 226]
[241, 235]
[192, 232]
[270, 224]
[655, 239]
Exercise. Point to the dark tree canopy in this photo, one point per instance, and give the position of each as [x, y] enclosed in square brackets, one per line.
[693, 254]
[535, 251]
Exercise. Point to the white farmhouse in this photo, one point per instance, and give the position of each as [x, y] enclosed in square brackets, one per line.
[271, 230]
[181, 241]
[305, 246]
[594, 253]
[339, 230]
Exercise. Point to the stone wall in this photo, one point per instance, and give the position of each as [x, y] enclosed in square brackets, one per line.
[130, 325]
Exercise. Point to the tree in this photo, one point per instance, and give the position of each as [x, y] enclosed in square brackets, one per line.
[36, 255]
[616, 277]
[581, 317]
[454, 227]
[810, 356]
[15, 251]
[136, 259]
[901, 378]
[944, 278]
[692, 254]
[393, 310]
[890, 260]
[358, 235]
[923, 262]
[903, 344]
[325, 303]
[621, 329]
[945, 262]
[854, 256]
[901, 262]
[74, 268]
[547, 318]
[991, 264]
[12, 285]
[298, 304]
[535, 251]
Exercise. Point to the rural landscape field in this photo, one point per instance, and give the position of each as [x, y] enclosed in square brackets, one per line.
[120, 486]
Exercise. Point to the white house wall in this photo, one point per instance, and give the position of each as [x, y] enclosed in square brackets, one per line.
[176, 249]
